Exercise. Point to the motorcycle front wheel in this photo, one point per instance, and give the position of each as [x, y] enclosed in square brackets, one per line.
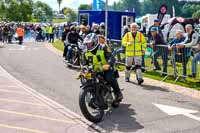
[89, 106]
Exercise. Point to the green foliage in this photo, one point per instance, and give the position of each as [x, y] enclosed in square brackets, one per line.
[42, 11]
[196, 14]
[18, 10]
[70, 13]
[56, 20]
[182, 8]
[59, 45]
[24, 10]
[85, 7]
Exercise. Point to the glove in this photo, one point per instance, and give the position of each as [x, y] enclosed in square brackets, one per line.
[129, 43]
[106, 67]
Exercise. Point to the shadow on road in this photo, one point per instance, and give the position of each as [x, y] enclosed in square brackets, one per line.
[121, 120]
[154, 88]
[150, 87]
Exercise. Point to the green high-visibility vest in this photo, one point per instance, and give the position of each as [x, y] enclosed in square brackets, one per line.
[98, 60]
[50, 30]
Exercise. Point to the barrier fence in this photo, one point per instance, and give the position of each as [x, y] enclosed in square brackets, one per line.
[178, 63]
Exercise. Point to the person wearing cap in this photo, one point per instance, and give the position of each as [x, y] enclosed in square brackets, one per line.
[182, 55]
[135, 45]
[160, 48]
[157, 25]
[192, 41]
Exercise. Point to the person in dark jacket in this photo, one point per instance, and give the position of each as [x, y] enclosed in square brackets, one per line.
[64, 35]
[159, 31]
[160, 48]
[72, 41]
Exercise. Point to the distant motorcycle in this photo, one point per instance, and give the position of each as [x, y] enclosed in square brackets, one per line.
[96, 95]
[77, 55]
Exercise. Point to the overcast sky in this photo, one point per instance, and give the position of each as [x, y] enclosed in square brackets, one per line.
[71, 3]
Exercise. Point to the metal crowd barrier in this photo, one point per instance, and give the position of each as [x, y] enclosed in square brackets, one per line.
[168, 61]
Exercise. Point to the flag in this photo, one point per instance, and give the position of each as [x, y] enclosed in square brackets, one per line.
[161, 13]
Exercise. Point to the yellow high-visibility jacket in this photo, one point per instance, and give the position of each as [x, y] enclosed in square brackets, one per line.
[134, 47]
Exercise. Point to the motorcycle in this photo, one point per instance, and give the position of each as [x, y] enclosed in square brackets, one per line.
[96, 95]
[77, 55]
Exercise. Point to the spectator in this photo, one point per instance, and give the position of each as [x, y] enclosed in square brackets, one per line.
[83, 31]
[158, 29]
[192, 41]
[182, 55]
[95, 29]
[20, 33]
[46, 29]
[102, 29]
[51, 33]
[5, 33]
[159, 49]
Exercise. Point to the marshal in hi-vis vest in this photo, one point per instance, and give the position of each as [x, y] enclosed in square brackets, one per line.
[134, 47]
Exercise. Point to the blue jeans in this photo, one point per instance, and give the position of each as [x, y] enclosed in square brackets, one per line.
[195, 59]
[163, 52]
[69, 53]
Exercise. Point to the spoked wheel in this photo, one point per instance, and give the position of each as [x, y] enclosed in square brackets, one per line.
[89, 106]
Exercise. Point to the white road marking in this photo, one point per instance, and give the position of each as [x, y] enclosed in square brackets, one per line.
[173, 111]
[22, 129]
[21, 102]
[36, 116]
[22, 48]
[11, 91]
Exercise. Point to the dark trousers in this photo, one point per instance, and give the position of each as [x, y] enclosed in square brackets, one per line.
[65, 51]
[110, 78]
[47, 36]
[51, 40]
[20, 40]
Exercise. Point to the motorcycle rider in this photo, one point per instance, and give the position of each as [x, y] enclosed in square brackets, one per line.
[102, 61]
[72, 41]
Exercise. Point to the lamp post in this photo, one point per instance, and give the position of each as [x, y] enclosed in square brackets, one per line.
[106, 20]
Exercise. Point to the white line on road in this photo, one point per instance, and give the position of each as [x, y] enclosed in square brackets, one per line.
[11, 91]
[8, 86]
[22, 129]
[173, 111]
[21, 102]
[36, 116]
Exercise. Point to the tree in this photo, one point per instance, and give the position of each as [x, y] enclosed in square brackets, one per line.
[42, 11]
[70, 13]
[85, 7]
[18, 10]
[196, 14]
[59, 3]
[190, 9]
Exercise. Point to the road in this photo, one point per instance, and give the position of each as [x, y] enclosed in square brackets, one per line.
[145, 109]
